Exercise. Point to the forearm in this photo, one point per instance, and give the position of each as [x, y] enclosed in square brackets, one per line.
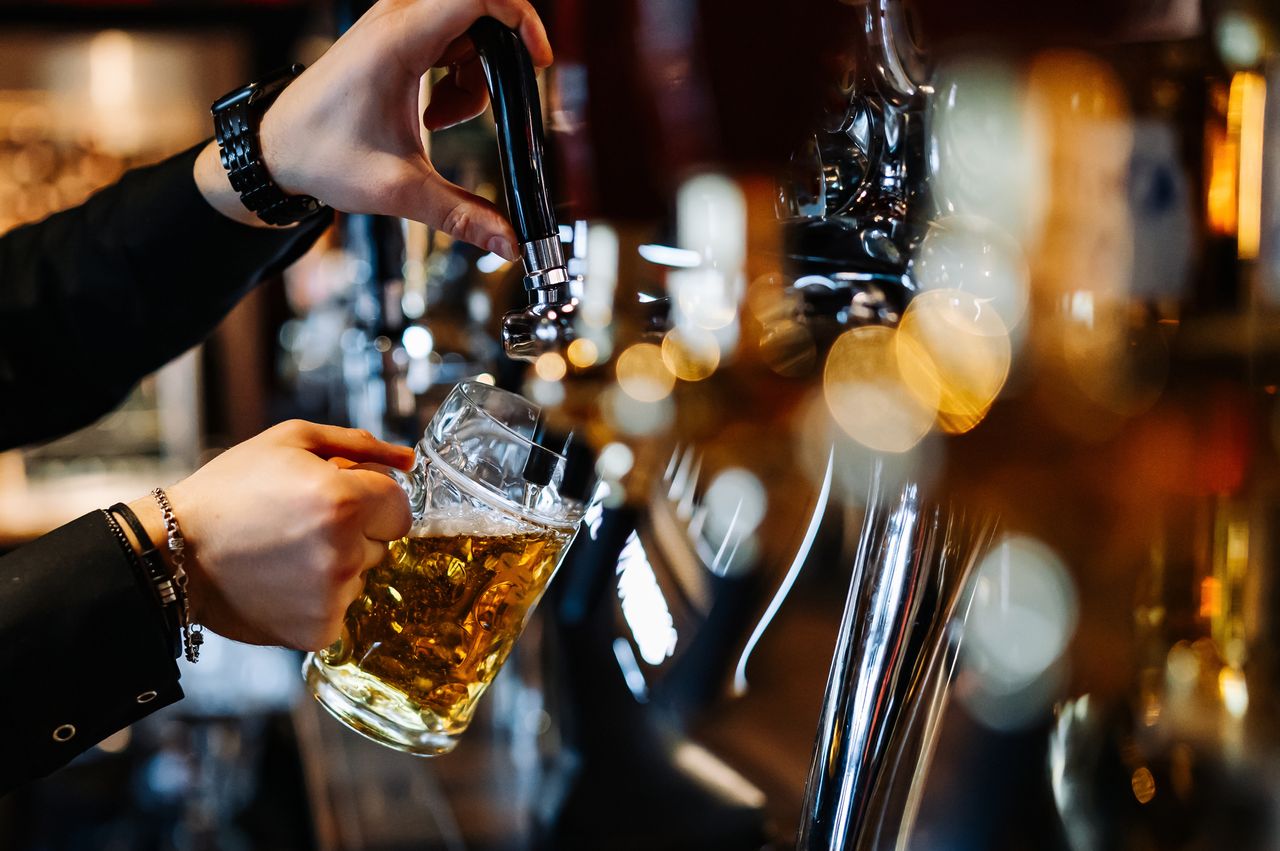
[94, 298]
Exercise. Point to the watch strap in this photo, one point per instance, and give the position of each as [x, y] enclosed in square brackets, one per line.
[236, 119]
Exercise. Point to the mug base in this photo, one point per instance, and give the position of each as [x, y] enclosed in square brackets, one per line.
[373, 709]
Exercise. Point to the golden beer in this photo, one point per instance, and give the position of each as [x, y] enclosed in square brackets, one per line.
[440, 614]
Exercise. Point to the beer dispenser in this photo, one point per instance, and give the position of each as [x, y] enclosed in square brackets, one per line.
[1050, 524]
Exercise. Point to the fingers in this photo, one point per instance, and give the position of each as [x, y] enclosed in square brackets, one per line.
[521, 17]
[450, 208]
[349, 443]
[372, 555]
[433, 25]
[384, 509]
[460, 95]
[458, 51]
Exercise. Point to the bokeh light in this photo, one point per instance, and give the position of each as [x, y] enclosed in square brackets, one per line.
[595, 309]
[988, 148]
[734, 505]
[635, 417]
[548, 394]
[854, 465]
[550, 366]
[954, 353]
[970, 254]
[418, 341]
[1087, 239]
[865, 391]
[735, 501]
[690, 353]
[704, 298]
[1022, 616]
[711, 218]
[643, 375]
[1239, 38]
[583, 353]
[615, 461]
[1115, 363]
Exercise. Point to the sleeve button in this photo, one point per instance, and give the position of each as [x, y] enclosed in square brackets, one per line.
[146, 697]
[64, 733]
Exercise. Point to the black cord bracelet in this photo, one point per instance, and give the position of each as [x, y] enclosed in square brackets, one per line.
[150, 556]
[170, 596]
[146, 574]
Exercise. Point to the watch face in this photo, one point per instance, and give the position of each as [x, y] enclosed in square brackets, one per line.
[239, 96]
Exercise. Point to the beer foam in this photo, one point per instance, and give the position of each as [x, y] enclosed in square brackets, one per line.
[465, 520]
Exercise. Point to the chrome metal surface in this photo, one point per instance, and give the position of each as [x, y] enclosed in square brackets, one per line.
[546, 325]
[889, 678]
[547, 285]
[542, 254]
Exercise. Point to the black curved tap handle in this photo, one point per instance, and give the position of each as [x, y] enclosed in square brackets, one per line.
[517, 112]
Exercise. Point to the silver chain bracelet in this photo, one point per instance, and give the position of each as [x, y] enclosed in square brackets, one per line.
[192, 633]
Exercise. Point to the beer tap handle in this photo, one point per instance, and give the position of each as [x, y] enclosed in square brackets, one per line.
[547, 323]
[517, 113]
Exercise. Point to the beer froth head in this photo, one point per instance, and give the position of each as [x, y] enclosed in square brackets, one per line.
[466, 520]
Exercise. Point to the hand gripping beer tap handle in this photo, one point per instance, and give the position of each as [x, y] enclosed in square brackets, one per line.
[546, 324]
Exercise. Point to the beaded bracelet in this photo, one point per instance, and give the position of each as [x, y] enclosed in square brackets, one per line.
[192, 633]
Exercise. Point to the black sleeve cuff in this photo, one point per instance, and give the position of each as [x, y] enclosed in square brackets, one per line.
[83, 648]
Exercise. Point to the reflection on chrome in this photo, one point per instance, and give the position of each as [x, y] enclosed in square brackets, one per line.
[893, 661]
[643, 605]
[802, 554]
[631, 673]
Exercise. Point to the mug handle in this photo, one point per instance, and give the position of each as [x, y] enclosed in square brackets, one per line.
[413, 482]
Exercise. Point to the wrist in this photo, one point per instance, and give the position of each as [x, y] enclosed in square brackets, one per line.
[148, 514]
[186, 514]
[275, 156]
[215, 186]
[253, 171]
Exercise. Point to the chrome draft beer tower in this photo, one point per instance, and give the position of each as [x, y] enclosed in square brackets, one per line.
[854, 207]
[896, 650]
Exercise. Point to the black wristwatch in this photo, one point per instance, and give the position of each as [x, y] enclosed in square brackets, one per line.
[236, 117]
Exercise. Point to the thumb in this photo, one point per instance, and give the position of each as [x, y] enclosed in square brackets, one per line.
[350, 444]
[470, 218]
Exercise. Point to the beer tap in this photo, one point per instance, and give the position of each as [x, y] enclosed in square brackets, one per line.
[546, 324]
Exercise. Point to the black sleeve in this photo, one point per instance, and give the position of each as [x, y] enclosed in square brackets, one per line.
[84, 649]
[94, 298]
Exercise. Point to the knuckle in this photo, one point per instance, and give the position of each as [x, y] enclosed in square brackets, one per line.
[290, 428]
[457, 222]
[339, 505]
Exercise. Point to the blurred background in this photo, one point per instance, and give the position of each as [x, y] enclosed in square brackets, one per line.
[929, 353]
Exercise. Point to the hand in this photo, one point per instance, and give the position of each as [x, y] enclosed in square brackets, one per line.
[347, 131]
[279, 538]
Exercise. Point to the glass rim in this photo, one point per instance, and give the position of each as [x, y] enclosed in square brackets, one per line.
[504, 503]
[465, 387]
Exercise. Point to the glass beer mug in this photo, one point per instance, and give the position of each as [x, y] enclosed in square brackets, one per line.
[441, 611]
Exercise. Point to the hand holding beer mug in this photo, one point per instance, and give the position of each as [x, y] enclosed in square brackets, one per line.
[493, 512]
